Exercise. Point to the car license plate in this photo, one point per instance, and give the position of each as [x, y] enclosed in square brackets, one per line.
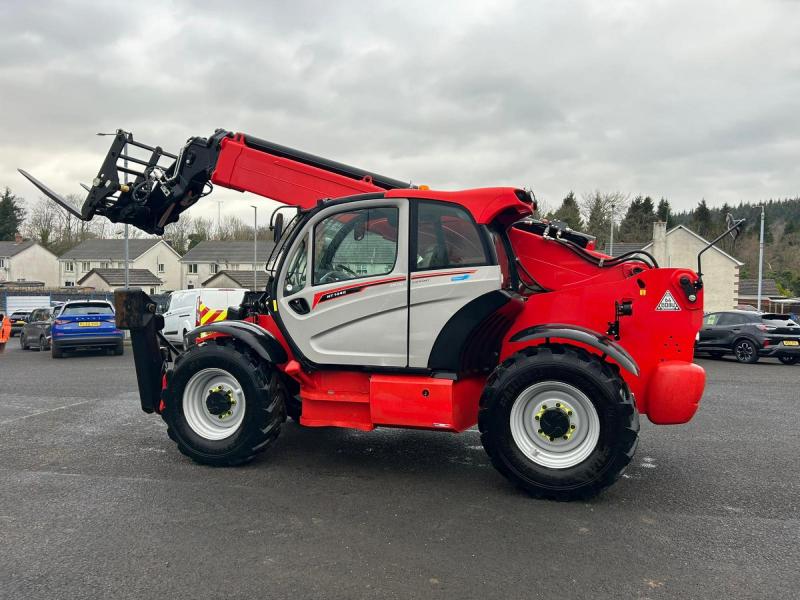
[20, 323]
[791, 343]
[89, 324]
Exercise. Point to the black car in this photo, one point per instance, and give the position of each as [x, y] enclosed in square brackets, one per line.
[35, 332]
[749, 335]
[18, 318]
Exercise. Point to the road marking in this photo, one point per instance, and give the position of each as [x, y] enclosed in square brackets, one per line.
[43, 412]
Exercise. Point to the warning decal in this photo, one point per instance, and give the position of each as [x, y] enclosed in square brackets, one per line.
[668, 303]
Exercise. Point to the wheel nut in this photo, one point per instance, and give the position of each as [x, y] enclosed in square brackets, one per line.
[572, 426]
[536, 417]
[540, 431]
[566, 437]
[558, 404]
[569, 412]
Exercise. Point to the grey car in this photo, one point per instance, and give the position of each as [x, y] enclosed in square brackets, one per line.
[36, 332]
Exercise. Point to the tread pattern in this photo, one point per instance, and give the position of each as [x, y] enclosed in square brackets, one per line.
[508, 379]
[258, 432]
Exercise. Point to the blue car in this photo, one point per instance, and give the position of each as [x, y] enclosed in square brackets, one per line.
[85, 324]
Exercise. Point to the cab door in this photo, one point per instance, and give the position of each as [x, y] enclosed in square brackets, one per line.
[343, 291]
[453, 266]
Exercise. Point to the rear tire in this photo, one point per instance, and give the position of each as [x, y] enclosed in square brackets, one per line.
[788, 360]
[56, 352]
[745, 351]
[584, 404]
[43, 347]
[248, 425]
[119, 350]
[23, 341]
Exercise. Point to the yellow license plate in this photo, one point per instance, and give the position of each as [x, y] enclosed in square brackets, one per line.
[791, 343]
[20, 322]
[89, 324]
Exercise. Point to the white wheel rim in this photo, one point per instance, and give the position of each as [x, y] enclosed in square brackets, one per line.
[578, 412]
[195, 407]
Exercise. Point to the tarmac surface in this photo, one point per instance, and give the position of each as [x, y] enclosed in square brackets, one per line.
[96, 502]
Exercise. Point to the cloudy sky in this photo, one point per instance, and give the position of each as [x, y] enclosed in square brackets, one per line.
[685, 99]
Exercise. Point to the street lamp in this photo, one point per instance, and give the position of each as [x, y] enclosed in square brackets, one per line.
[255, 245]
[128, 137]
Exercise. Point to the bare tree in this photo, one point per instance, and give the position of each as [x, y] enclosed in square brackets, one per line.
[41, 224]
[177, 233]
[597, 209]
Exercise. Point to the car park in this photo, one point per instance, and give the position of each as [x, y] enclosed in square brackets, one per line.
[749, 335]
[85, 324]
[18, 319]
[35, 333]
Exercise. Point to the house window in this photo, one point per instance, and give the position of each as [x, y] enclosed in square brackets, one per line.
[86, 266]
[152, 291]
[69, 283]
[2, 263]
[104, 265]
[214, 268]
[193, 269]
[69, 267]
[233, 266]
[160, 267]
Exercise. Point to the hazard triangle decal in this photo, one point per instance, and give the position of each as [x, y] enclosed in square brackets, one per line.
[668, 303]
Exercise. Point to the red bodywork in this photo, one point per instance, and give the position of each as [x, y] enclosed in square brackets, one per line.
[667, 388]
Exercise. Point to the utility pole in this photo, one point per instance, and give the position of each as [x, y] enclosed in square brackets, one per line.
[760, 256]
[255, 246]
[611, 237]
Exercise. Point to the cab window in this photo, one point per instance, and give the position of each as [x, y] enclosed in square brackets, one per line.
[296, 275]
[447, 237]
[355, 244]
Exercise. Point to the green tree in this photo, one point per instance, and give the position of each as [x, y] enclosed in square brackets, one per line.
[664, 211]
[701, 219]
[12, 215]
[637, 225]
[569, 212]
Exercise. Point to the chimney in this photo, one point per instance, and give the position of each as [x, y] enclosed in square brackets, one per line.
[660, 243]
[17, 238]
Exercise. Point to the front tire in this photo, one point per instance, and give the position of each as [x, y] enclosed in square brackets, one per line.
[558, 422]
[745, 351]
[23, 341]
[788, 360]
[223, 405]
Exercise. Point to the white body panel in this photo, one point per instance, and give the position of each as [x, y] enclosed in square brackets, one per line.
[436, 296]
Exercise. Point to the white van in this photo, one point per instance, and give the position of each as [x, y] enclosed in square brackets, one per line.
[183, 311]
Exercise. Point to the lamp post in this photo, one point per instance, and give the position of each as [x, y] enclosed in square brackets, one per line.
[760, 256]
[128, 137]
[255, 245]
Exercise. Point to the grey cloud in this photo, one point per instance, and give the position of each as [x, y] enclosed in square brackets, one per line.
[682, 99]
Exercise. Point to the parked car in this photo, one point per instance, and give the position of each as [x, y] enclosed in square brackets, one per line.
[18, 319]
[35, 333]
[184, 310]
[86, 324]
[749, 335]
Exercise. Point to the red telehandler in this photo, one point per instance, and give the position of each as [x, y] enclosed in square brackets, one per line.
[392, 305]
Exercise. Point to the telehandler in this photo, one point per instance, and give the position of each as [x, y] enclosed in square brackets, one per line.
[394, 305]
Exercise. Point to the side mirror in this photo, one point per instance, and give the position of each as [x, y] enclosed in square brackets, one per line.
[277, 227]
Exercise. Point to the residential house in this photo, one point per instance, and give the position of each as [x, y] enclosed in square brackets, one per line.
[151, 254]
[770, 296]
[107, 280]
[212, 256]
[23, 262]
[679, 247]
[237, 279]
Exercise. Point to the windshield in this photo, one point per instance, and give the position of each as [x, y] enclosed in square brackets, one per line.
[280, 247]
[87, 309]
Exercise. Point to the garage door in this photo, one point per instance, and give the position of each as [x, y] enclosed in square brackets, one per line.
[14, 303]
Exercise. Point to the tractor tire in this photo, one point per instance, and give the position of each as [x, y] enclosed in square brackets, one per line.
[223, 405]
[788, 360]
[558, 422]
[745, 351]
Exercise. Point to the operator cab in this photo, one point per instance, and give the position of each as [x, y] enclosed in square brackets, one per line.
[375, 281]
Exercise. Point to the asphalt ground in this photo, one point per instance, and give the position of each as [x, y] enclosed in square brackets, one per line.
[96, 502]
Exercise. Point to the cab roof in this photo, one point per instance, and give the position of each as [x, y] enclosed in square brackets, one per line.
[505, 204]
